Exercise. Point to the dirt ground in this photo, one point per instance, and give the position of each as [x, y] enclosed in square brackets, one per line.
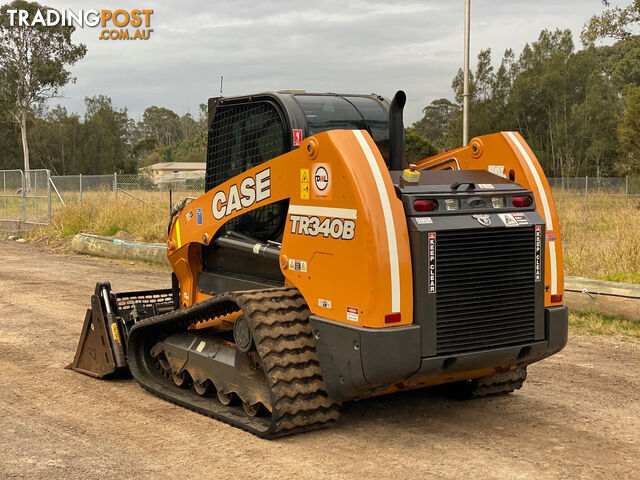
[578, 414]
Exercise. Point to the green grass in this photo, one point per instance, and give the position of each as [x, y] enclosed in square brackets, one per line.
[597, 324]
[626, 277]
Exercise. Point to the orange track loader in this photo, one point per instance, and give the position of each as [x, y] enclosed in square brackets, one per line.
[317, 267]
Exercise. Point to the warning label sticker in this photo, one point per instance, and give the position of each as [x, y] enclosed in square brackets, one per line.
[352, 314]
[485, 185]
[514, 219]
[324, 303]
[423, 220]
[297, 137]
[297, 265]
[538, 253]
[304, 184]
[497, 170]
[431, 263]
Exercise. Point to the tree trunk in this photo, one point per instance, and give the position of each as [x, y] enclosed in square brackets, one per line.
[25, 150]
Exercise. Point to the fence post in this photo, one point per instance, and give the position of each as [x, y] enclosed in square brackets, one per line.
[626, 186]
[80, 189]
[49, 194]
[115, 185]
[586, 188]
[22, 198]
[4, 193]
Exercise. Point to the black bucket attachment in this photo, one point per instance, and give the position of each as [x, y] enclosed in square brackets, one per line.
[102, 347]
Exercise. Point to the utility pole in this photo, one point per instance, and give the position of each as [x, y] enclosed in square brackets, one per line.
[465, 92]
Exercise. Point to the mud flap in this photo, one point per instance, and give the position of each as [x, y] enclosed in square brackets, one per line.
[100, 351]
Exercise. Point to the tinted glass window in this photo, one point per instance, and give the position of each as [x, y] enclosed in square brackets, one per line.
[377, 119]
[350, 113]
[329, 113]
[374, 116]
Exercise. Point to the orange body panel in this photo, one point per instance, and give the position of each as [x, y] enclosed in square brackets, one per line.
[358, 274]
[345, 246]
[509, 154]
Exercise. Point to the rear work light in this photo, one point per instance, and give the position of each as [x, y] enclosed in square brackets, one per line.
[425, 205]
[392, 318]
[451, 204]
[524, 201]
[497, 202]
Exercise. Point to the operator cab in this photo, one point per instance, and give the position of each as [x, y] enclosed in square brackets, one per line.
[249, 130]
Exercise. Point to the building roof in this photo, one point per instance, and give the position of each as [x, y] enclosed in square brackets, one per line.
[182, 166]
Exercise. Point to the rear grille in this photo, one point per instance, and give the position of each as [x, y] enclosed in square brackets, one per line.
[485, 289]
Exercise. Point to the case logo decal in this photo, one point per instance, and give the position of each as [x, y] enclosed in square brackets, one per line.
[251, 190]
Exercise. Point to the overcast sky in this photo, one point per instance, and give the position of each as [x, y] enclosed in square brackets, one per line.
[339, 46]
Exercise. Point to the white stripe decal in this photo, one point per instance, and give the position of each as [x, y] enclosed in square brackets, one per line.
[554, 267]
[388, 221]
[351, 213]
[546, 209]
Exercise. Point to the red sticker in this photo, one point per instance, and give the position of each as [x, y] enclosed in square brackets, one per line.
[551, 236]
[297, 137]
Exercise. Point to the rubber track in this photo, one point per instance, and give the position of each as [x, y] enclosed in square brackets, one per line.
[499, 383]
[278, 319]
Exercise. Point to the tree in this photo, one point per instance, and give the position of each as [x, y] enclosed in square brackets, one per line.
[105, 142]
[33, 62]
[433, 125]
[629, 141]
[163, 125]
[417, 146]
[614, 22]
[56, 141]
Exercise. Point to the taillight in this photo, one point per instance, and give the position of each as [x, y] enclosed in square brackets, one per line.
[393, 317]
[524, 201]
[556, 298]
[425, 205]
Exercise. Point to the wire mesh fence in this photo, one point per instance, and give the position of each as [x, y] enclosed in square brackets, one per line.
[34, 196]
[598, 190]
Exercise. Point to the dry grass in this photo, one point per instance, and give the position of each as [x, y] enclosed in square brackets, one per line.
[100, 214]
[602, 239]
[598, 324]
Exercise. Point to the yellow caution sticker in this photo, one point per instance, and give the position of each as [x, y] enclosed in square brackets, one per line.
[304, 184]
[178, 239]
[115, 333]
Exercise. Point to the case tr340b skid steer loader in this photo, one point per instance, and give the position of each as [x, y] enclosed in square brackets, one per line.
[318, 267]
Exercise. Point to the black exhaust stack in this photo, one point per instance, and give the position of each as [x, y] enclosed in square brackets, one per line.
[397, 159]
